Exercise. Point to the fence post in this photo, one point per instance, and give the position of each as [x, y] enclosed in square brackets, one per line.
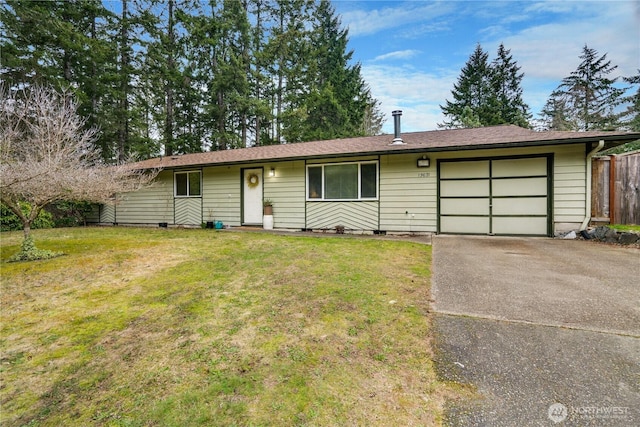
[612, 189]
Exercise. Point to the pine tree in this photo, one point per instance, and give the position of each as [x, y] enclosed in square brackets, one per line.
[589, 95]
[556, 114]
[167, 65]
[631, 115]
[334, 100]
[487, 94]
[63, 44]
[472, 90]
[259, 82]
[506, 82]
[179, 76]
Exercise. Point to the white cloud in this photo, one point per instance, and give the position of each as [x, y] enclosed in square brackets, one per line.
[399, 54]
[551, 50]
[548, 52]
[418, 94]
[367, 22]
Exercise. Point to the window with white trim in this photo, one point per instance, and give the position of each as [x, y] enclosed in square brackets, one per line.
[187, 184]
[343, 181]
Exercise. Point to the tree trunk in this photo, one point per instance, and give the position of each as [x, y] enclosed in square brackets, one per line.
[169, 119]
[123, 126]
[26, 229]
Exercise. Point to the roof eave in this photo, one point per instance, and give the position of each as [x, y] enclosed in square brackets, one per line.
[610, 141]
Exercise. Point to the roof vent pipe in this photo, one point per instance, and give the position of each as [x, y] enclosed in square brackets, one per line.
[397, 139]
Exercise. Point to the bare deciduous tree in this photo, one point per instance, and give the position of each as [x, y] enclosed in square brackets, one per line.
[47, 155]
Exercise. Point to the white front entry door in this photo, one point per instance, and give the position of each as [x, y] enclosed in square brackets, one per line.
[252, 196]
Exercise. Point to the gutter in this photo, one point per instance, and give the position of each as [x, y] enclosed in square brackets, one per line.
[587, 208]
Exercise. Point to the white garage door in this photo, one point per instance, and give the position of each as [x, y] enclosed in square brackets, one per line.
[494, 196]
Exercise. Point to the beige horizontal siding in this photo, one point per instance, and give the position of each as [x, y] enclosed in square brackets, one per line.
[221, 189]
[408, 195]
[569, 186]
[287, 191]
[150, 205]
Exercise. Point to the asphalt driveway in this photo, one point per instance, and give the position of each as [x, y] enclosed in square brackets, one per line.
[547, 331]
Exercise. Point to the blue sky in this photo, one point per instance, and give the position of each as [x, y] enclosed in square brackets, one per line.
[412, 51]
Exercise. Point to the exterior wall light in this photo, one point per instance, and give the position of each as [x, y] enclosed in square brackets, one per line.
[424, 162]
[272, 172]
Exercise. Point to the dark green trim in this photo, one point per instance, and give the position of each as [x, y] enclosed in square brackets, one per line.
[521, 196]
[498, 178]
[379, 192]
[550, 200]
[495, 216]
[464, 197]
[486, 178]
[490, 197]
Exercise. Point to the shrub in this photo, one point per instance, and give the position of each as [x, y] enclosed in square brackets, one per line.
[9, 221]
[70, 214]
[29, 252]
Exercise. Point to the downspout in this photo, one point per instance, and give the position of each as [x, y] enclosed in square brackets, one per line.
[587, 208]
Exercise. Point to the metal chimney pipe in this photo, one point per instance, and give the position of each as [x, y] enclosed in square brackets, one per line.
[397, 139]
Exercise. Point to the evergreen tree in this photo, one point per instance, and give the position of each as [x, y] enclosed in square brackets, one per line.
[589, 95]
[65, 45]
[259, 82]
[556, 114]
[631, 115]
[472, 90]
[487, 94]
[168, 66]
[179, 76]
[506, 82]
[335, 99]
[288, 62]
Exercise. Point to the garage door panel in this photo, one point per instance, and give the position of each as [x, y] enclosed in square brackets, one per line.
[520, 206]
[464, 224]
[468, 206]
[471, 188]
[519, 187]
[519, 167]
[473, 169]
[495, 196]
[520, 225]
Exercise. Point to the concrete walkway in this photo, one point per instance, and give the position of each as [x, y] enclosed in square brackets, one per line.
[548, 331]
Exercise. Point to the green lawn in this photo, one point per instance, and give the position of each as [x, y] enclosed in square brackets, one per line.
[151, 327]
[621, 227]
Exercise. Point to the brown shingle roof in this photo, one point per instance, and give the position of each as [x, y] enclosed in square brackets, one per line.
[438, 140]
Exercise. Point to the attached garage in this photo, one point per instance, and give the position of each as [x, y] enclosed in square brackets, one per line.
[496, 196]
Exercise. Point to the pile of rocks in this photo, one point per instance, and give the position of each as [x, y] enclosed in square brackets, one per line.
[609, 235]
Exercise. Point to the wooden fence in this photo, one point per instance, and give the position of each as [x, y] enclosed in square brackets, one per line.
[615, 189]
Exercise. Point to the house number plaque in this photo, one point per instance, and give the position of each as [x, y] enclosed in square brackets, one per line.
[424, 175]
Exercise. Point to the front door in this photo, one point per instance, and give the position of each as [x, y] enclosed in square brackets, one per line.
[252, 196]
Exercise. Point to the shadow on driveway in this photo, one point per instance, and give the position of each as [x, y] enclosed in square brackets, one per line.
[547, 330]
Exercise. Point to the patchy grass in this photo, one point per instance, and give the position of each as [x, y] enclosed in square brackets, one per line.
[622, 227]
[139, 327]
